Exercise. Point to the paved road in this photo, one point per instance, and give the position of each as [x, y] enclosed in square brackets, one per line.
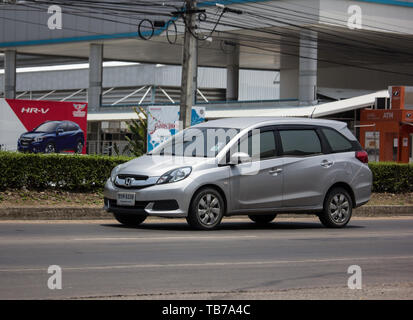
[166, 259]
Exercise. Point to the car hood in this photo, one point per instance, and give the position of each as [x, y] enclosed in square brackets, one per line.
[156, 165]
[32, 135]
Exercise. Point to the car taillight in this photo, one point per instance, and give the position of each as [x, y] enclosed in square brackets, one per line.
[362, 156]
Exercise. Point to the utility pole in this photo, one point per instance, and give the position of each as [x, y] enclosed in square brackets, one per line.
[189, 65]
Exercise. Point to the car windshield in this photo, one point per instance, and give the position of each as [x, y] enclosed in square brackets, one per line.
[47, 127]
[204, 142]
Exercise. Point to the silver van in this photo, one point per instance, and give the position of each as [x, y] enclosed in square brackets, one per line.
[245, 166]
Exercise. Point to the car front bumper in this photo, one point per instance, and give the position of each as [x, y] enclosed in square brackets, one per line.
[164, 200]
[34, 147]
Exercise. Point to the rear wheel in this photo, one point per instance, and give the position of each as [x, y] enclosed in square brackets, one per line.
[131, 220]
[337, 210]
[79, 147]
[262, 218]
[206, 210]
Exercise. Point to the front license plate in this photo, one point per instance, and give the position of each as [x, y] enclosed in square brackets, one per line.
[125, 199]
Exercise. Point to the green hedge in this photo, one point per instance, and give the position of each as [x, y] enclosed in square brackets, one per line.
[392, 177]
[55, 171]
[89, 172]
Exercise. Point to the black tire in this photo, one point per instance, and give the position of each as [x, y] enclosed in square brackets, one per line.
[337, 209]
[262, 218]
[50, 148]
[206, 209]
[131, 220]
[79, 147]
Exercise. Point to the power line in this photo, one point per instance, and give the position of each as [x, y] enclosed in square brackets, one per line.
[251, 20]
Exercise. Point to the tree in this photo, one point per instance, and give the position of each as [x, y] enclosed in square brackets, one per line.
[138, 128]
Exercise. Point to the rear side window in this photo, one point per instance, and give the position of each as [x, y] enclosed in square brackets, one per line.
[336, 141]
[300, 142]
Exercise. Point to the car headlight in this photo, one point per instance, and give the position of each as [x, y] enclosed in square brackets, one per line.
[38, 139]
[114, 172]
[174, 175]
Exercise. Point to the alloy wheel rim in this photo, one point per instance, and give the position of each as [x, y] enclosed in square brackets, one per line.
[49, 149]
[79, 147]
[209, 209]
[339, 208]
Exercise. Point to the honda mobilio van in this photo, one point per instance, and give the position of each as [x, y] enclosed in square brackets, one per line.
[245, 166]
[51, 137]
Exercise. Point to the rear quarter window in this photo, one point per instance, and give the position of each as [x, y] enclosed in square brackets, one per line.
[337, 142]
[73, 127]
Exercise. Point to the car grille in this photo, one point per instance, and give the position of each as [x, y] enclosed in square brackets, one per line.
[133, 181]
[25, 141]
[134, 176]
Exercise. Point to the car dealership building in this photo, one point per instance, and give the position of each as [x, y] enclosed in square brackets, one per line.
[276, 58]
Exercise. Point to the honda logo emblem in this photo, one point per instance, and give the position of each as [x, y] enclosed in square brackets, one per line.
[128, 181]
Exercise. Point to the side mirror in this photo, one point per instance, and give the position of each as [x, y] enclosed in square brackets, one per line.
[59, 131]
[240, 157]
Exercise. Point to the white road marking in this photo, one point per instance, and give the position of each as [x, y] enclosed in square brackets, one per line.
[283, 218]
[213, 264]
[165, 238]
[265, 235]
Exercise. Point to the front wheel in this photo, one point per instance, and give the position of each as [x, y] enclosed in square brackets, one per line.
[262, 218]
[206, 209]
[50, 148]
[130, 220]
[337, 209]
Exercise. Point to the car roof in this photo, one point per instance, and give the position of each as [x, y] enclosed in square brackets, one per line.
[242, 123]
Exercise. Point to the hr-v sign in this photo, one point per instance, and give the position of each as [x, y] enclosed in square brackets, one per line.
[35, 110]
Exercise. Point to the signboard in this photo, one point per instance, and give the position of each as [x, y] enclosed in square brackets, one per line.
[163, 123]
[43, 126]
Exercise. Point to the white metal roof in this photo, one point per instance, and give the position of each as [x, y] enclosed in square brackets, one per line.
[108, 116]
[320, 110]
[218, 112]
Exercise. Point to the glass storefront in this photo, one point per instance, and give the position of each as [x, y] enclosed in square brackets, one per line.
[108, 138]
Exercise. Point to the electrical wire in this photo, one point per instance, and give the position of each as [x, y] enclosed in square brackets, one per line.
[252, 20]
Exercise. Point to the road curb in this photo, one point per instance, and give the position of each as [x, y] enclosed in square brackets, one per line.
[76, 213]
[52, 213]
[380, 211]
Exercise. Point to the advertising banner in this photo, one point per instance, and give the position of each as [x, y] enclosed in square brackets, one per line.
[163, 123]
[43, 126]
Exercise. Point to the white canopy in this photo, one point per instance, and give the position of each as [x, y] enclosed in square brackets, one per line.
[215, 112]
[113, 116]
[320, 110]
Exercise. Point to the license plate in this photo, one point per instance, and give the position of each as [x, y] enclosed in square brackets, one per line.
[125, 199]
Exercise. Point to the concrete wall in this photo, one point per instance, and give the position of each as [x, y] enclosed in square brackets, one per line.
[356, 78]
[22, 23]
[375, 16]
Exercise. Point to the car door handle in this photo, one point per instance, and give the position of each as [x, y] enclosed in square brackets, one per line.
[275, 172]
[326, 163]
